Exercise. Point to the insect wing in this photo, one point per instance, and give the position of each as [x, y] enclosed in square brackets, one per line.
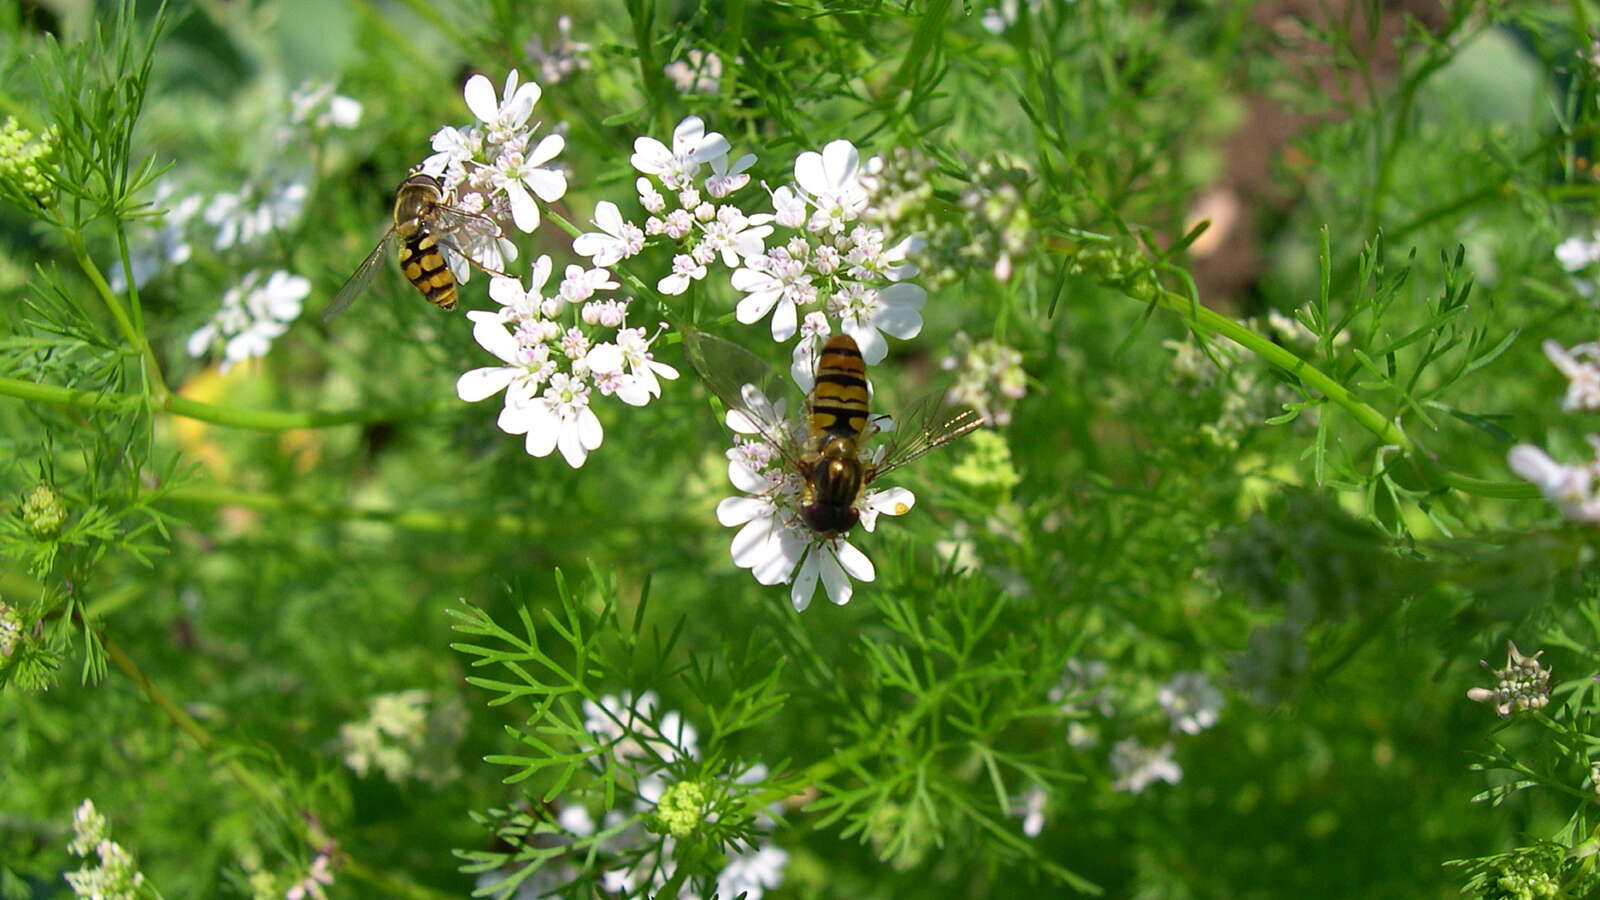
[749, 388]
[475, 237]
[926, 425]
[358, 281]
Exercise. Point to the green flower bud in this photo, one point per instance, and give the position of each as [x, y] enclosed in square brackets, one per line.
[987, 467]
[43, 512]
[681, 809]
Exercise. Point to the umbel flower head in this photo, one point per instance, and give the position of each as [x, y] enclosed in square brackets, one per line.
[1522, 685]
[773, 542]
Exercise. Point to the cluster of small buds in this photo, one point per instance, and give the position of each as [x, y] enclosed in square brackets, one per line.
[43, 512]
[635, 732]
[563, 57]
[773, 542]
[1137, 766]
[253, 314]
[553, 363]
[988, 377]
[25, 161]
[115, 874]
[1522, 685]
[995, 230]
[10, 629]
[699, 72]
[406, 734]
[1192, 703]
[494, 164]
[987, 465]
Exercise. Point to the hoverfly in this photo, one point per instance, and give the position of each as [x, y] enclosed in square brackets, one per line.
[425, 227]
[825, 450]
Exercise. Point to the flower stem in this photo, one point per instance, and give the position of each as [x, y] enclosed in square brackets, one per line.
[126, 324]
[263, 793]
[231, 416]
[1206, 320]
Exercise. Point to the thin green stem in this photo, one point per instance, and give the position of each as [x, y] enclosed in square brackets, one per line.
[230, 416]
[1388, 431]
[260, 790]
[125, 323]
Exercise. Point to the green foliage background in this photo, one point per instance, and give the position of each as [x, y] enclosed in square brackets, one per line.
[1339, 570]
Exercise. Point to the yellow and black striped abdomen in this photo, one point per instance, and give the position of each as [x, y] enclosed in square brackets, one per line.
[422, 261]
[839, 397]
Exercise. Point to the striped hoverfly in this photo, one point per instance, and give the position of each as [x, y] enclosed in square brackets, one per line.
[432, 236]
[825, 450]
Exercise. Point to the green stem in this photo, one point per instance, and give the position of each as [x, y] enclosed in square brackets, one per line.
[263, 793]
[130, 331]
[922, 44]
[1206, 320]
[231, 416]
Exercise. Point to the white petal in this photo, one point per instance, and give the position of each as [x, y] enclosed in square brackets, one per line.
[480, 99]
[673, 285]
[854, 562]
[686, 137]
[754, 306]
[901, 313]
[588, 429]
[650, 156]
[604, 248]
[542, 268]
[1535, 465]
[634, 391]
[571, 445]
[739, 510]
[805, 583]
[480, 384]
[785, 321]
[840, 161]
[506, 291]
[754, 544]
[711, 147]
[608, 217]
[747, 479]
[780, 563]
[542, 427]
[873, 347]
[547, 149]
[549, 184]
[200, 341]
[809, 174]
[835, 579]
[514, 419]
[523, 210]
[492, 336]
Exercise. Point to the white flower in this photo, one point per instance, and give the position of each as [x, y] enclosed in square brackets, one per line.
[237, 222]
[736, 236]
[560, 417]
[1571, 488]
[1137, 766]
[685, 269]
[864, 312]
[814, 333]
[315, 103]
[503, 118]
[777, 282]
[773, 541]
[251, 317]
[1579, 365]
[1031, 809]
[700, 74]
[516, 173]
[453, 148]
[691, 146]
[726, 177]
[617, 239]
[1577, 253]
[830, 182]
[310, 886]
[1190, 701]
[752, 873]
[564, 55]
[527, 363]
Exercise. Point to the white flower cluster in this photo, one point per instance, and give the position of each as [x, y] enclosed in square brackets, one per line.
[10, 629]
[494, 162]
[699, 72]
[310, 885]
[1192, 703]
[253, 314]
[1573, 488]
[115, 875]
[1579, 254]
[563, 57]
[406, 734]
[271, 201]
[1137, 766]
[552, 362]
[773, 540]
[634, 732]
[989, 377]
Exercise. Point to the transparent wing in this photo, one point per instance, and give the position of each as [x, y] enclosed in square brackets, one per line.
[357, 283]
[475, 236]
[926, 425]
[745, 383]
